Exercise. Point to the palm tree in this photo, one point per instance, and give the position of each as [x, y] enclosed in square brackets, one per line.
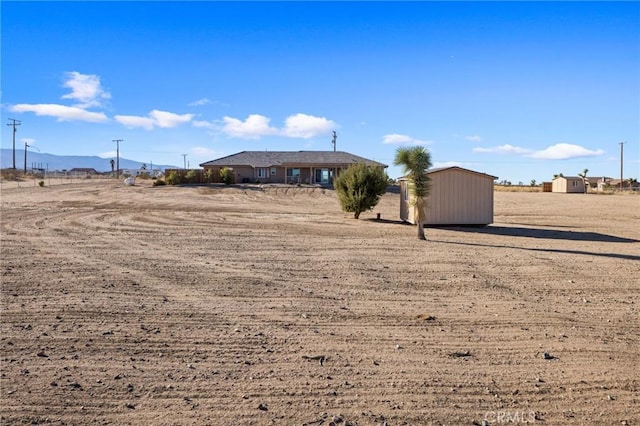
[113, 163]
[415, 162]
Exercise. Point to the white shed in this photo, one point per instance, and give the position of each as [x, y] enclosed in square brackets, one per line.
[458, 196]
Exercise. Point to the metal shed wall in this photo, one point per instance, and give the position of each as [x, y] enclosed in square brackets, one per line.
[457, 197]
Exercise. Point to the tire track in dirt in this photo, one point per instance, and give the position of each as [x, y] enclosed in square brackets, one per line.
[197, 305]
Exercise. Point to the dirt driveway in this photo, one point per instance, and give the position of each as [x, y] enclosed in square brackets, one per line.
[248, 305]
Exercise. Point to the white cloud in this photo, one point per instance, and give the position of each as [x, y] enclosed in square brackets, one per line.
[200, 102]
[135, 121]
[28, 141]
[85, 89]
[108, 154]
[397, 139]
[560, 151]
[203, 123]
[306, 126]
[166, 119]
[563, 151]
[473, 138]
[504, 149]
[61, 112]
[155, 118]
[253, 127]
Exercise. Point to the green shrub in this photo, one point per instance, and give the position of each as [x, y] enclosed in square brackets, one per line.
[359, 188]
[191, 176]
[226, 175]
[159, 182]
[173, 178]
[41, 183]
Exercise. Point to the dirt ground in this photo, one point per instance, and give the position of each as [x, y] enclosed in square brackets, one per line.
[248, 305]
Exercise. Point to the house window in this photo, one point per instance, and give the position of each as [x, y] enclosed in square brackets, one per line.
[574, 183]
[262, 172]
[273, 170]
[293, 172]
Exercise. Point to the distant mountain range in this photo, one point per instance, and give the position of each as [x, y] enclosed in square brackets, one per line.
[67, 162]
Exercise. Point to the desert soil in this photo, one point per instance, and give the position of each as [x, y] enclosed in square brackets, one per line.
[249, 305]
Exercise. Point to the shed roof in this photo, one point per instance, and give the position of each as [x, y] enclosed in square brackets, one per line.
[456, 168]
[290, 158]
[569, 177]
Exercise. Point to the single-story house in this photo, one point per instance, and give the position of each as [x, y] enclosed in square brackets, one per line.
[457, 196]
[308, 167]
[597, 182]
[83, 171]
[626, 185]
[568, 184]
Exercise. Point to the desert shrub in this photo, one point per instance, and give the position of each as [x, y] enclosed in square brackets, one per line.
[226, 175]
[173, 178]
[209, 175]
[191, 177]
[359, 188]
[41, 183]
[159, 182]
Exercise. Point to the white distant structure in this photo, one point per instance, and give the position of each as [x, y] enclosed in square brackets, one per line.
[130, 181]
[137, 172]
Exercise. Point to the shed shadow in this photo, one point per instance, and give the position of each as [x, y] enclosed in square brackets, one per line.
[551, 234]
[546, 250]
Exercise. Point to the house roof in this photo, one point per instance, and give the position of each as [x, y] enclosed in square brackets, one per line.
[84, 170]
[290, 158]
[442, 169]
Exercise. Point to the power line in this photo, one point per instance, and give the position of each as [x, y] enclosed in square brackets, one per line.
[15, 125]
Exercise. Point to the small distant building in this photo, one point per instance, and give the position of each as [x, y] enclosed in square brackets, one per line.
[82, 171]
[597, 182]
[458, 196]
[568, 184]
[138, 172]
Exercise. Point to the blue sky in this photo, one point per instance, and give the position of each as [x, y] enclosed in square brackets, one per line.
[518, 90]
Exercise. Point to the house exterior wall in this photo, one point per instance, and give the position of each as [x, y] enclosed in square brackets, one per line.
[457, 197]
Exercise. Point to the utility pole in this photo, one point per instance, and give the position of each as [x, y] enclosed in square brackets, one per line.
[621, 158]
[333, 140]
[15, 125]
[25, 157]
[26, 145]
[117, 141]
[184, 158]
